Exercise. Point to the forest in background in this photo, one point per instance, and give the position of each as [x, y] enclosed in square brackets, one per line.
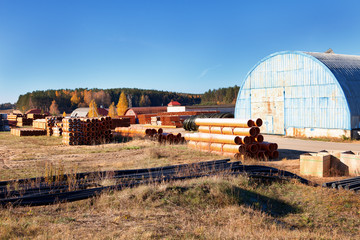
[67, 100]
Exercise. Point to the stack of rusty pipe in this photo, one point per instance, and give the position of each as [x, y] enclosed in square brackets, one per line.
[150, 133]
[170, 138]
[237, 138]
[137, 131]
[52, 122]
[86, 131]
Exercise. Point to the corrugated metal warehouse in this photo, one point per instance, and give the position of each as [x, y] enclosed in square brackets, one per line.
[303, 94]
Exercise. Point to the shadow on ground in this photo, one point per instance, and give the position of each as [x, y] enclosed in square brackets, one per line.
[271, 206]
[290, 154]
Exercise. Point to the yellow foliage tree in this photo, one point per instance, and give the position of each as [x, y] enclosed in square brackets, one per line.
[75, 99]
[93, 112]
[64, 114]
[122, 104]
[112, 110]
[88, 97]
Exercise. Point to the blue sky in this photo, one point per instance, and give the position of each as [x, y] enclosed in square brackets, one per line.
[175, 45]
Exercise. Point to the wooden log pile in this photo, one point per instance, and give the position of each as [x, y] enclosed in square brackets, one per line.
[232, 137]
[21, 132]
[86, 131]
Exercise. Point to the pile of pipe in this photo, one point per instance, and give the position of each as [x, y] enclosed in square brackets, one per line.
[236, 138]
[86, 131]
[73, 187]
[54, 124]
[152, 134]
[27, 132]
[352, 184]
[189, 123]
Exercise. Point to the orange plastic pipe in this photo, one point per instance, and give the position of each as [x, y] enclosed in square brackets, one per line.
[193, 145]
[216, 147]
[217, 138]
[253, 131]
[224, 122]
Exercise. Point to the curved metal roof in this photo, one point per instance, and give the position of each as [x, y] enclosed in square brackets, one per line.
[346, 69]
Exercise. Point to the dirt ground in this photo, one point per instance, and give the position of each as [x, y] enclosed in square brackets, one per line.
[24, 157]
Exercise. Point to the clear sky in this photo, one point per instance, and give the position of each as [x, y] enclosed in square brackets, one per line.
[176, 45]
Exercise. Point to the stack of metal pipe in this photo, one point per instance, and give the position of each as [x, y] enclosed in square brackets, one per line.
[21, 132]
[237, 138]
[151, 133]
[86, 131]
[52, 122]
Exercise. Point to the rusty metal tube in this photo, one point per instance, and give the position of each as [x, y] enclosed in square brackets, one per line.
[217, 138]
[258, 122]
[253, 148]
[229, 130]
[261, 154]
[274, 154]
[259, 138]
[267, 146]
[224, 122]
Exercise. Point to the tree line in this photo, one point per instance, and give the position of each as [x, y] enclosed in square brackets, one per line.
[220, 96]
[67, 100]
[5, 106]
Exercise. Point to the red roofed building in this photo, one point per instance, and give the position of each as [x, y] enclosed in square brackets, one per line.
[37, 111]
[174, 103]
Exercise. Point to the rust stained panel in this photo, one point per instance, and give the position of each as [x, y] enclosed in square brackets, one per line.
[268, 104]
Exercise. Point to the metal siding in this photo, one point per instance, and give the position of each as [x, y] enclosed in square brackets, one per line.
[313, 98]
[346, 69]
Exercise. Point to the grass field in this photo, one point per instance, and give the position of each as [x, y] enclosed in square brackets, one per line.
[220, 207]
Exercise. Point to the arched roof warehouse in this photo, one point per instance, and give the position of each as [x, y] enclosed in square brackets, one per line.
[303, 93]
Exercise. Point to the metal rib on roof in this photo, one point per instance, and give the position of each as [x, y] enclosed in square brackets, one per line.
[346, 69]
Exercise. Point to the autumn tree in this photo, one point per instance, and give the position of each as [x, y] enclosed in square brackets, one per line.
[122, 104]
[64, 114]
[54, 108]
[102, 98]
[88, 96]
[93, 112]
[112, 110]
[75, 99]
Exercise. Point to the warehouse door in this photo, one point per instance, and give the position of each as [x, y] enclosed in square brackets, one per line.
[268, 104]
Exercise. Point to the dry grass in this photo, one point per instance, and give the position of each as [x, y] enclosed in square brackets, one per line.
[207, 208]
